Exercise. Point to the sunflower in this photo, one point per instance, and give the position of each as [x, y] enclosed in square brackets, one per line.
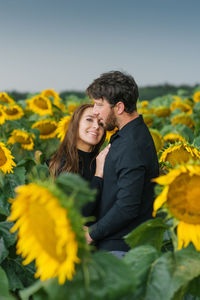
[157, 138]
[179, 153]
[62, 127]
[173, 138]
[50, 93]
[162, 111]
[148, 119]
[4, 98]
[47, 128]
[40, 105]
[196, 96]
[182, 106]
[22, 137]
[110, 133]
[144, 103]
[44, 232]
[6, 160]
[177, 98]
[184, 119]
[2, 116]
[72, 106]
[13, 112]
[181, 195]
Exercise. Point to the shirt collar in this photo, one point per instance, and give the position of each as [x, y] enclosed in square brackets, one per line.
[126, 128]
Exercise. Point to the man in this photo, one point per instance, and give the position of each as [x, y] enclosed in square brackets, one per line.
[128, 192]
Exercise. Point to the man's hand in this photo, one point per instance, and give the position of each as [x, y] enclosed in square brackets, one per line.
[87, 236]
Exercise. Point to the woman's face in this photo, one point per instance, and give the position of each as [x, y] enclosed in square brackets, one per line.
[90, 130]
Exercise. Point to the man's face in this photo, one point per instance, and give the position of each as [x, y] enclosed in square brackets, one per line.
[105, 112]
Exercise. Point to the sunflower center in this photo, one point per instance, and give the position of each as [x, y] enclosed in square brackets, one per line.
[22, 140]
[184, 198]
[44, 230]
[4, 99]
[178, 156]
[12, 111]
[3, 158]
[41, 103]
[46, 129]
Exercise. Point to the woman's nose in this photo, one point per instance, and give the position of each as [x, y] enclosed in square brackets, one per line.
[96, 124]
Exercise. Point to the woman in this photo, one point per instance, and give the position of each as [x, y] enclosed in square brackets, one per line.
[79, 149]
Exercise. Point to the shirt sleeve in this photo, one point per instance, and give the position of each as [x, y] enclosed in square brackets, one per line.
[130, 173]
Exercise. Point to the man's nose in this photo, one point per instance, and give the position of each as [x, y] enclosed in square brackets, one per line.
[95, 110]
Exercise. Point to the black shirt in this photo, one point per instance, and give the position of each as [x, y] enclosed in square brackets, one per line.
[128, 193]
[87, 168]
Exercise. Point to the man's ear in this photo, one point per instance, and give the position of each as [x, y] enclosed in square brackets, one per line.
[119, 107]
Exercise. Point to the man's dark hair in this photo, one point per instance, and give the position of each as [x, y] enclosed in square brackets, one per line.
[115, 86]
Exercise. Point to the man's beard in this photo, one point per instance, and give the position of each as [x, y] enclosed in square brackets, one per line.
[111, 121]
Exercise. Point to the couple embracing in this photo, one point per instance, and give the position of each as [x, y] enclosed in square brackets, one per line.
[122, 172]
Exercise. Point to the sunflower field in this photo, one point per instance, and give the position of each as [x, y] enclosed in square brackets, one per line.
[43, 252]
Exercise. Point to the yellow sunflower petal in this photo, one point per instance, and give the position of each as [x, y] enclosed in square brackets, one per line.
[160, 200]
[6, 160]
[44, 233]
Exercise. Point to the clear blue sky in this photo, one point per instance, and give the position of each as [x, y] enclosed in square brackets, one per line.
[65, 44]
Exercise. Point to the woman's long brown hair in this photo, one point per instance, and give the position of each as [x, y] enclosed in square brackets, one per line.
[68, 148]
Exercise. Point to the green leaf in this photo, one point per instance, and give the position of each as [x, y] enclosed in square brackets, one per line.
[19, 276]
[171, 272]
[13, 180]
[4, 290]
[140, 260]
[3, 250]
[102, 276]
[150, 232]
[4, 205]
[9, 238]
[74, 185]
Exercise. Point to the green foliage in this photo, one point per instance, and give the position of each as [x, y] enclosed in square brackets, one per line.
[150, 232]
[4, 289]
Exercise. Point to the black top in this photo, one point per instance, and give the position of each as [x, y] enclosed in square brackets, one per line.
[87, 168]
[128, 193]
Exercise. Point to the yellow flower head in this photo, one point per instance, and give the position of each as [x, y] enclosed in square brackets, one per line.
[62, 127]
[4, 98]
[173, 138]
[177, 98]
[181, 195]
[22, 137]
[50, 93]
[148, 119]
[44, 233]
[72, 106]
[196, 96]
[13, 112]
[162, 111]
[182, 106]
[6, 160]
[184, 119]
[144, 103]
[179, 154]
[157, 138]
[40, 105]
[110, 133]
[47, 128]
[2, 116]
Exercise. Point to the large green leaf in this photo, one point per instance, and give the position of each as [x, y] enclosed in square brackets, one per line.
[3, 250]
[150, 232]
[4, 290]
[19, 276]
[101, 276]
[4, 204]
[13, 180]
[171, 272]
[141, 259]
[9, 238]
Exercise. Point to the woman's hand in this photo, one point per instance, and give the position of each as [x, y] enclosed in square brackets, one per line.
[100, 160]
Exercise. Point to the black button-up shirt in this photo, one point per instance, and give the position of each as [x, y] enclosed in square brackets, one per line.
[128, 192]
